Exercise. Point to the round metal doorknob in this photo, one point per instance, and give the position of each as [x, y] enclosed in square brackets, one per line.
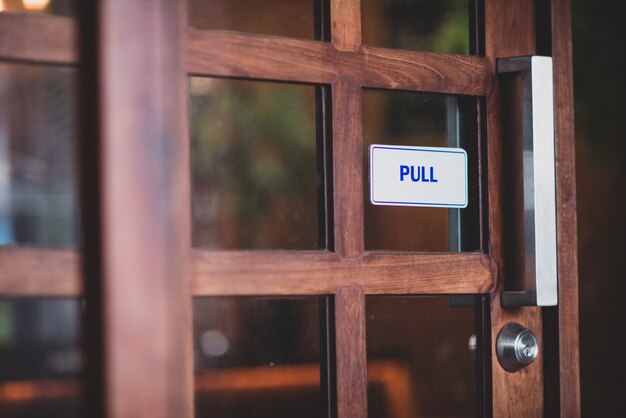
[516, 347]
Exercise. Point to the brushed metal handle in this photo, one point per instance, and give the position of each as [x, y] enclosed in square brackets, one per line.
[540, 265]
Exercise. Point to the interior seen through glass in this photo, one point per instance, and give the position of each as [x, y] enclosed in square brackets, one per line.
[257, 357]
[37, 155]
[291, 18]
[254, 165]
[41, 358]
[440, 26]
[56, 7]
[421, 358]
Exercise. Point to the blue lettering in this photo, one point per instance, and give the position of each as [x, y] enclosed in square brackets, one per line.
[418, 173]
[413, 177]
[432, 175]
[425, 180]
[404, 170]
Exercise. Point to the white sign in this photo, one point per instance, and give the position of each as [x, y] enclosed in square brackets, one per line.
[418, 176]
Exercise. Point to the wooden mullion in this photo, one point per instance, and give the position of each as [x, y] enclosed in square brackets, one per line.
[229, 54]
[345, 18]
[569, 359]
[38, 38]
[55, 273]
[37, 272]
[348, 169]
[52, 40]
[322, 273]
[350, 352]
[130, 221]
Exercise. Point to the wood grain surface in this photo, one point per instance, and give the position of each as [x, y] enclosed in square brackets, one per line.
[569, 359]
[348, 169]
[345, 24]
[229, 54]
[39, 272]
[38, 38]
[131, 247]
[509, 31]
[351, 356]
[52, 39]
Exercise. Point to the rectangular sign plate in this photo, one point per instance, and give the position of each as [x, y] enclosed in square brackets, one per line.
[418, 176]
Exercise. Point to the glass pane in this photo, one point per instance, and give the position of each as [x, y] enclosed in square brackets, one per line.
[420, 119]
[37, 171]
[57, 7]
[254, 169]
[421, 358]
[257, 357]
[428, 25]
[41, 358]
[291, 18]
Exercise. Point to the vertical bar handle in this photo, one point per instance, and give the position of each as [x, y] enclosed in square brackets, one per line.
[540, 265]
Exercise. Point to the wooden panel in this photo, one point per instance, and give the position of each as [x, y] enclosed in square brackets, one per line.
[509, 31]
[39, 272]
[134, 297]
[213, 273]
[38, 38]
[348, 169]
[351, 356]
[345, 18]
[569, 363]
[228, 54]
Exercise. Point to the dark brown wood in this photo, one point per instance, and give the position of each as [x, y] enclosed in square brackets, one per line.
[295, 273]
[509, 31]
[38, 38]
[345, 26]
[351, 356]
[228, 54]
[347, 169]
[569, 361]
[51, 39]
[39, 272]
[222, 273]
[134, 297]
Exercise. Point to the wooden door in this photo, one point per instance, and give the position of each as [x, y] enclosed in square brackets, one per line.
[142, 257]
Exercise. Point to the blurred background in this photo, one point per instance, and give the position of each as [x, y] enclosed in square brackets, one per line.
[599, 92]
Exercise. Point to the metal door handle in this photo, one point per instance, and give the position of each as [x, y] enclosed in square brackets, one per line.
[540, 265]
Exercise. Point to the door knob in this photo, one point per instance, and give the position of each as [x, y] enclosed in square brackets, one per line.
[516, 347]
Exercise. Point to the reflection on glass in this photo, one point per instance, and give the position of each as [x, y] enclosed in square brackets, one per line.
[421, 358]
[417, 119]
[37, 171]
[41, 358]
[427, 25]
[291, 18]
[56, 7]
[257, 357]
[254, 176]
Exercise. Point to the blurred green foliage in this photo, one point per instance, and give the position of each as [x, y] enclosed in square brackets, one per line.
[254, 143]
